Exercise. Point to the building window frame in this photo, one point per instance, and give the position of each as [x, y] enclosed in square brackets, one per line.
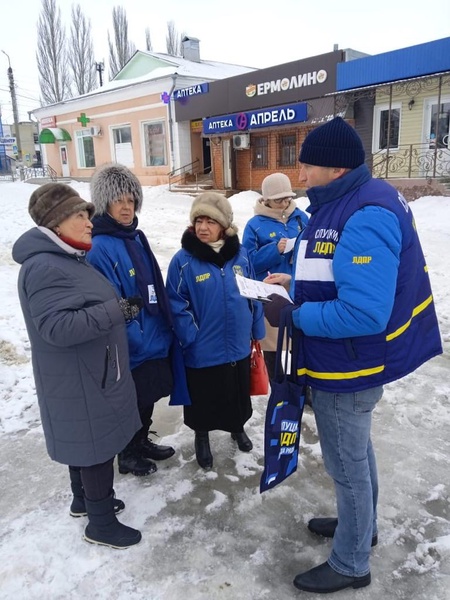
[154, 139]
[380, 141]
[122, 144]
[260, 152]
[85, 150]
[287, 149]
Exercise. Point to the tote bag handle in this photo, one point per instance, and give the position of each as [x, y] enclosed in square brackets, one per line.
[286, 330]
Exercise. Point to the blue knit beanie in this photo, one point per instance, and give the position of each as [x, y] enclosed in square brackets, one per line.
[334, 144]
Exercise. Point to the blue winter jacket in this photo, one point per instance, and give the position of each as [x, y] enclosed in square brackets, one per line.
[149, 337]
[262, 234]
[366, 307]
[212, 321]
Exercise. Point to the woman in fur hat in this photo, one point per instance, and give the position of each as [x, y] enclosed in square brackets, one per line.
[214, 323]
[79, 349]
[122, 253]
[276, 223]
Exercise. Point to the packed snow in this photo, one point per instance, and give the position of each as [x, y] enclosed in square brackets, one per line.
[212, 535]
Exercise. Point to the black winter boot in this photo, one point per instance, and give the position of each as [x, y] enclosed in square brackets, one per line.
[270, 360]
[130, 461]
[202, 450]
[104, 528]
[78, 506]
[150, 450]
[243, 441]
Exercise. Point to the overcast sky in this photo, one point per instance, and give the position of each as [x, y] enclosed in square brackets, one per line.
[257, 34]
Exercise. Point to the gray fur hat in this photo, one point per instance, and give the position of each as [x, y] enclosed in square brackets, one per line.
[215, 206]
[110, 182]
[50, 204]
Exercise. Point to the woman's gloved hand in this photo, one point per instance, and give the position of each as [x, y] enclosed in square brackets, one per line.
[131, 306]
[272, 310]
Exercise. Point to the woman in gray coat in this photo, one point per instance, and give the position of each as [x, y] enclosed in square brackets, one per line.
[79, 349]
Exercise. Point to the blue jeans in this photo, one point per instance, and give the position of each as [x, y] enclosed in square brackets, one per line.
[343, 423]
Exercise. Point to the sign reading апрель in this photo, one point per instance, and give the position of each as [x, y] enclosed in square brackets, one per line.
[256, 119]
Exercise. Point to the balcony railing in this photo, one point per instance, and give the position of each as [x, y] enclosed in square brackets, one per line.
[412, 161]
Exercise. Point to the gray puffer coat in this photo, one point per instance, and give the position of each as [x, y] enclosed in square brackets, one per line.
[79, 349]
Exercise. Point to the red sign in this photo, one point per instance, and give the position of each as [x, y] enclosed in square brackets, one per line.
[48, 122]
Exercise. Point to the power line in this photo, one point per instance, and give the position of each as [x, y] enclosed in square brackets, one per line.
[34, 99]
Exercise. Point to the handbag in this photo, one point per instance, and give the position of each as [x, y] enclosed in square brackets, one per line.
[284, 410]
[259, 377]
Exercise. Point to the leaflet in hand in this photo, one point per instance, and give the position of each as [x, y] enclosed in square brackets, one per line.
[289, 245]
[257, 290]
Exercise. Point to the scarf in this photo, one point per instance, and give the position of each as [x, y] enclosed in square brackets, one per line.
[145, 277]
[204, 252]
[217, 246]
[278, 214]
[75, 244]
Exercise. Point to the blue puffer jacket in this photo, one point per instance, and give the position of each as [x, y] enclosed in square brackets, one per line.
[366, 307]
[213, 322]
[263, 232]
[149, 337]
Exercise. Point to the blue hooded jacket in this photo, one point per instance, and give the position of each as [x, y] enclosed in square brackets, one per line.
[263, 232]
[149, 336]
[212, 321]
[366, 307]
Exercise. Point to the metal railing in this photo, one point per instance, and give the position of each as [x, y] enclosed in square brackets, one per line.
[44, 172]
[411, 161]
[189, 174]
[179, 175]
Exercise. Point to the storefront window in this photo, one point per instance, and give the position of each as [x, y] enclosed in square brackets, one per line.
[85, 149]
[287, 150]
[260, 154]
[155, 144]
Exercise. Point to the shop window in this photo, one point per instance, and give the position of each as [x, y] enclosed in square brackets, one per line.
[260, 150]
[155, 144]
[386, 127]
[288, 150]
[85, 149]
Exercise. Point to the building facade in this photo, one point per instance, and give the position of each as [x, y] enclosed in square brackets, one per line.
[256, 122]
[130, 119]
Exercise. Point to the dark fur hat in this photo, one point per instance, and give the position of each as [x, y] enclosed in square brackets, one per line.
[110, 182]
[51, 203]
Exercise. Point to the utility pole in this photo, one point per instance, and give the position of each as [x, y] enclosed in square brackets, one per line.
[100, 67]
[12, 89]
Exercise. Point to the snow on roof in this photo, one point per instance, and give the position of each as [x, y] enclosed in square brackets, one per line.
[203, 71]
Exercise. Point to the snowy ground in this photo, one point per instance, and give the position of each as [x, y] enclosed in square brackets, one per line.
[212, 535]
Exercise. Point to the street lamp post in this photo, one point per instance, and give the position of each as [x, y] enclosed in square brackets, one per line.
[12, 90]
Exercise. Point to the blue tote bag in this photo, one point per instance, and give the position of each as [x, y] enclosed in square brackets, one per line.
[284, 411]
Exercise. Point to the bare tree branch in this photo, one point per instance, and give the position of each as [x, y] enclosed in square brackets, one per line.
[81, 56]
[121, 50]
[173, 40]
[148, 41]
[51, 55]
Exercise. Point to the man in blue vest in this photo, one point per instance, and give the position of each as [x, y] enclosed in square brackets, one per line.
[365, 313]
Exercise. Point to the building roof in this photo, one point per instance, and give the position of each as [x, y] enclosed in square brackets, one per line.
[146, 67]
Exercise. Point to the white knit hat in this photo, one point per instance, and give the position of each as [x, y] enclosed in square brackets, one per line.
[215, 206]
[276, 185]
